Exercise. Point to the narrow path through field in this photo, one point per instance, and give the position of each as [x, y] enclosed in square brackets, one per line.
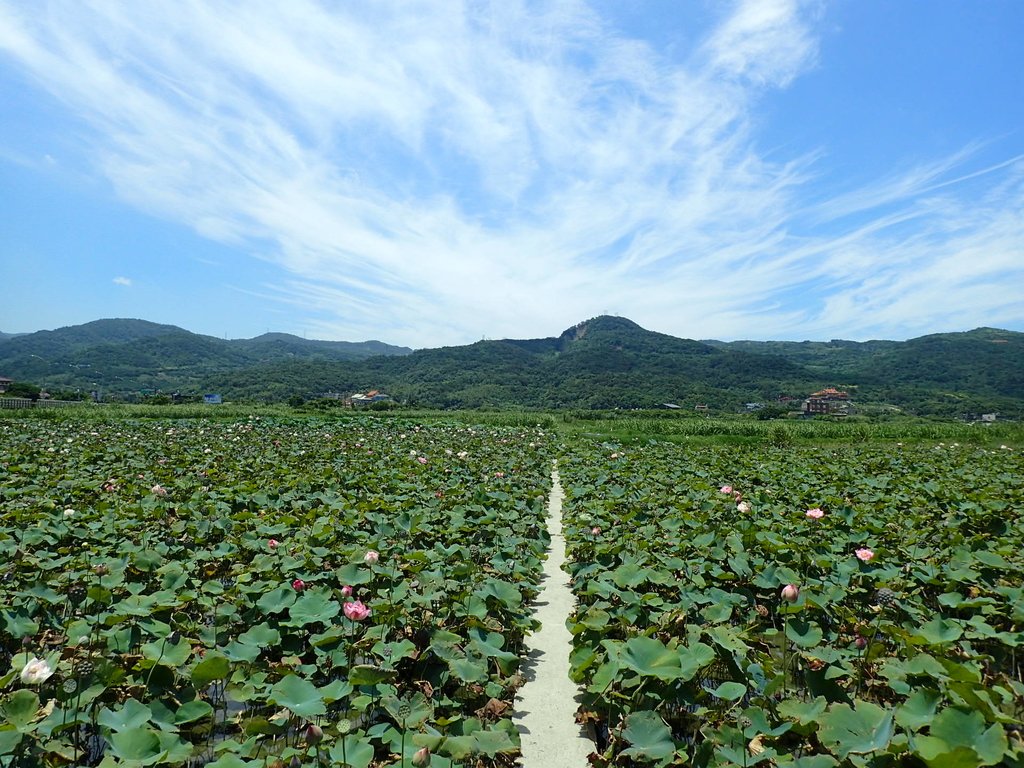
[546, 704]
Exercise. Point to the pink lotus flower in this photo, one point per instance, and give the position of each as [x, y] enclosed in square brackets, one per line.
[355, 610]
[371, 557]
[421, 759]
[743, 507]
[864, 554]
[790, 593]
[314, 734]
[273, 543]
[861, 642]
[725, 489]
[298, 585]
[346, 591]
[499, 474]
[596, 530]
[422, 459]
[815, 514]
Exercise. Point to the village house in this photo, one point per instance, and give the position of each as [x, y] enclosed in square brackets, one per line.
[828, 401]
[373, 396]
[5, 384]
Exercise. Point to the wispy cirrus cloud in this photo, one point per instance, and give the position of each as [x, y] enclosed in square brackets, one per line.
[428, 174]
[124, 281]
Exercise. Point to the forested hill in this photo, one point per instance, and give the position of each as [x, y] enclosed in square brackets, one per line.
[128, 356]
[605, 362]
[611, 362]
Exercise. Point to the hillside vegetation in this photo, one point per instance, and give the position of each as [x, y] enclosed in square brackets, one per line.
[603, 363]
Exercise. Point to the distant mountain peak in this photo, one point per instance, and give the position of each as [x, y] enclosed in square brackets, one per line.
[599, 323]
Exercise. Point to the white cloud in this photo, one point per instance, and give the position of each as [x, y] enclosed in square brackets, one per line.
[122, 281]
[429, 173]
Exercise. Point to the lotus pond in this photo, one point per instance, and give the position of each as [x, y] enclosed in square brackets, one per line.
[201, 593]
[271, 591]
[812, 608]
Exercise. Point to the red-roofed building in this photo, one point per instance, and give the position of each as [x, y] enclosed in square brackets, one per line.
[828, 401]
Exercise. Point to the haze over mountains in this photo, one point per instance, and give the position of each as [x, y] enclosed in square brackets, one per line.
[605, 362]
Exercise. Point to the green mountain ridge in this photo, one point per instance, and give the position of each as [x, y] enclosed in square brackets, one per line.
[604, 362]
[122, 356]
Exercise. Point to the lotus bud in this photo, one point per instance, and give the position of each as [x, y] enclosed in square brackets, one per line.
[314, 734]
[422, 758]
[790, 593]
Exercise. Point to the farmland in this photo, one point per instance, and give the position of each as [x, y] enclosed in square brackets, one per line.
[332, 591]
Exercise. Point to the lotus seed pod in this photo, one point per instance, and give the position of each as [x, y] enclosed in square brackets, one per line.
[886, 598]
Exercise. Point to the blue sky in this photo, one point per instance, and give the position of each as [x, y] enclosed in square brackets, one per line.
[431, 173]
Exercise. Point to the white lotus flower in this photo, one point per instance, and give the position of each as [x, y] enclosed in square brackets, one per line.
[35, 671]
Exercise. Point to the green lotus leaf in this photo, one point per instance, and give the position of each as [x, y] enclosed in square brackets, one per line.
[236, 651]
[312, 607]
[276, 600]
[918, 710]
[419, 709]
[862, 728]
[213, 667]
[595, 618]
[402, 649]
[298, 695]
[649, 737]
[494, 742]
[506, 593]
[262, 635]
[354, 574]
[138, 744]
[469, 669]
[955, 732]
[229, 760]
[806, 634]
[489, 645]
[939, 632]
[804, 712]
[335, 690]
[629, 575]
[9, 741]
[369, 674]
[650, 656]
[357, 751]
[812, 761]
[694, 657]
[167, 653]
[730, 691]
[18, 623]
[190, 711]
[132, 715]
[21, 708]
[458, 747]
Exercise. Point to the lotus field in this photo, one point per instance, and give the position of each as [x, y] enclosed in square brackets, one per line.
[857, 606]
[238, 594]
[357, 592]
